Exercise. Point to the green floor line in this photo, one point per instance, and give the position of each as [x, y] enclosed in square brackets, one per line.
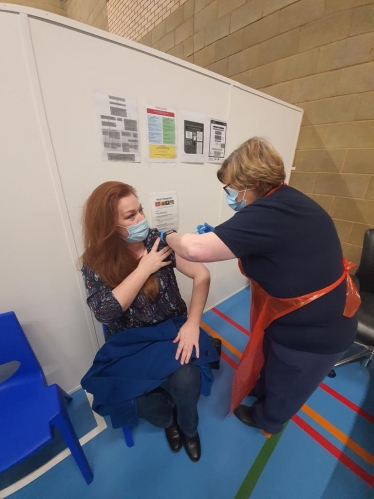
[250, 481]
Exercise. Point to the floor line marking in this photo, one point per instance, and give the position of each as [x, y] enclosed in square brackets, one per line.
[230, 321]
[348, 442]
[349, 463]
[348, 403]
[228, 345]
[343, 458]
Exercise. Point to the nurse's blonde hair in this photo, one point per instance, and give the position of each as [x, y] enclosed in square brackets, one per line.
[255, 165]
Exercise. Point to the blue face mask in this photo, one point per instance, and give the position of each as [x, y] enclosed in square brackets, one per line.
[231, 199]
[137, 232]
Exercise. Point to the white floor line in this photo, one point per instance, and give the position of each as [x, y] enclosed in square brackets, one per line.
[101, 425]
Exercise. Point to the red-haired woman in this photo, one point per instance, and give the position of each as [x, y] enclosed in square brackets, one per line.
[155, 361]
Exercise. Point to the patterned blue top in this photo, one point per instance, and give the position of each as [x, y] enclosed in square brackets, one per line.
[142, 312]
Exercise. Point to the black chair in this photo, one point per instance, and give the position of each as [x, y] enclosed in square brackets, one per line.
[364, 280]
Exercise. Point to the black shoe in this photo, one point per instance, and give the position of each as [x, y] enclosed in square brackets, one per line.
[245, 414]
[192, 447]
[174, 437]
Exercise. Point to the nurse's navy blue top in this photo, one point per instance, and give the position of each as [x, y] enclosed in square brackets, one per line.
[289, 245]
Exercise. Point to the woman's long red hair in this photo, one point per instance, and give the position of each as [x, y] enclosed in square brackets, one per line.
[104, 251]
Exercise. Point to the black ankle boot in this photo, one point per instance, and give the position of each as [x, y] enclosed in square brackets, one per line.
[174, 437]
[192, 447]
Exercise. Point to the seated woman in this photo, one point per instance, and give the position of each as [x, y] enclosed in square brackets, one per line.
[150, 366]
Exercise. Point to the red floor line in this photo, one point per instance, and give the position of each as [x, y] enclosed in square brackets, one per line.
[229, 360]
[348, 403]
[338, 454]
[327, 389]
[230, 321]
[364, 475]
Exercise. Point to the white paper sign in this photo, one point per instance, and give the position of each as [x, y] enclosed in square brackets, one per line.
[193, 134]
[164, 210]
[217, 141]
[118, 125]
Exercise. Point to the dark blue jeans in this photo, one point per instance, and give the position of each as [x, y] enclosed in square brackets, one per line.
[181, 390]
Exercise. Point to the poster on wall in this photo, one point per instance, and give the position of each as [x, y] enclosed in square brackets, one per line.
[119, 130]
[161, 131]
[193, 131]
[164, 210]
[217, 141]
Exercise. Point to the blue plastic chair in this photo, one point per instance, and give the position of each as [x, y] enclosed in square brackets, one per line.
[126, 429]
[30, 409]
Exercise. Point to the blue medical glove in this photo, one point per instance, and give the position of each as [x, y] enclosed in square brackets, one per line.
[162, 234]
[203, 229]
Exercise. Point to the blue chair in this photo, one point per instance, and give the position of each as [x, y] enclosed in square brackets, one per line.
[30, 409]
[126, 429]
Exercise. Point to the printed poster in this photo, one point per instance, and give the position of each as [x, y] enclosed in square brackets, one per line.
[217, 141]
[164, 210]
[193, 133]
[161, 129]
[119, 130]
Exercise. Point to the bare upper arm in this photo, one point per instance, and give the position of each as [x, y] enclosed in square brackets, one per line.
[208, 248]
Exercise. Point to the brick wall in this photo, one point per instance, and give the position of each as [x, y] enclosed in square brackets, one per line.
[55, 6]
[317, 54]
[134, 18]
[92, 12]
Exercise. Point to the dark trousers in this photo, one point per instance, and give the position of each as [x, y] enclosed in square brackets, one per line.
[288, 378]
[181, 390]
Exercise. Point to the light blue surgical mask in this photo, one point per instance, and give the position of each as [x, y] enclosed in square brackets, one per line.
[231, 195]
[137, 232]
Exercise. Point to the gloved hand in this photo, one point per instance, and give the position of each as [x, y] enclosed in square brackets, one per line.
[203, 229]
[162, 235]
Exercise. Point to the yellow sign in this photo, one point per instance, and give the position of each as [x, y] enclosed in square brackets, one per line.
[162, 152]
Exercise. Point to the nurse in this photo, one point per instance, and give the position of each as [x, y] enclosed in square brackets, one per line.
[303, 300]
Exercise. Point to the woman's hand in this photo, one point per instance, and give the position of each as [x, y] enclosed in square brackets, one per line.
[154, 260]
[188, 337]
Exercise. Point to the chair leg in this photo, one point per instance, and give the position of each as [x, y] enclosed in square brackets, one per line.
[66, 396]
[367, 362]
[63, 423]
[363, 354]
[128, 436]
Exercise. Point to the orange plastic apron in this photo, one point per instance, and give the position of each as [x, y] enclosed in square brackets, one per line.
[263, 311]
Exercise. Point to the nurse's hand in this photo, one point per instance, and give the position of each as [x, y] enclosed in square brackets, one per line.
[204, 228]
[188, 337]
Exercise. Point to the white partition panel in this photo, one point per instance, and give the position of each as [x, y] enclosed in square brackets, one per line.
[38, 276]
[52, 161]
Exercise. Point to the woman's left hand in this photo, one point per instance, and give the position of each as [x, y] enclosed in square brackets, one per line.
[188, 337]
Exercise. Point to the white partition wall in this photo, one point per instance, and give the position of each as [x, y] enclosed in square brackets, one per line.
[51, 161]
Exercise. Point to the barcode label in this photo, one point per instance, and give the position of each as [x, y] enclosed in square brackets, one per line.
[217, 154]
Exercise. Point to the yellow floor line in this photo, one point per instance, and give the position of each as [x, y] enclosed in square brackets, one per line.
[339, 435]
